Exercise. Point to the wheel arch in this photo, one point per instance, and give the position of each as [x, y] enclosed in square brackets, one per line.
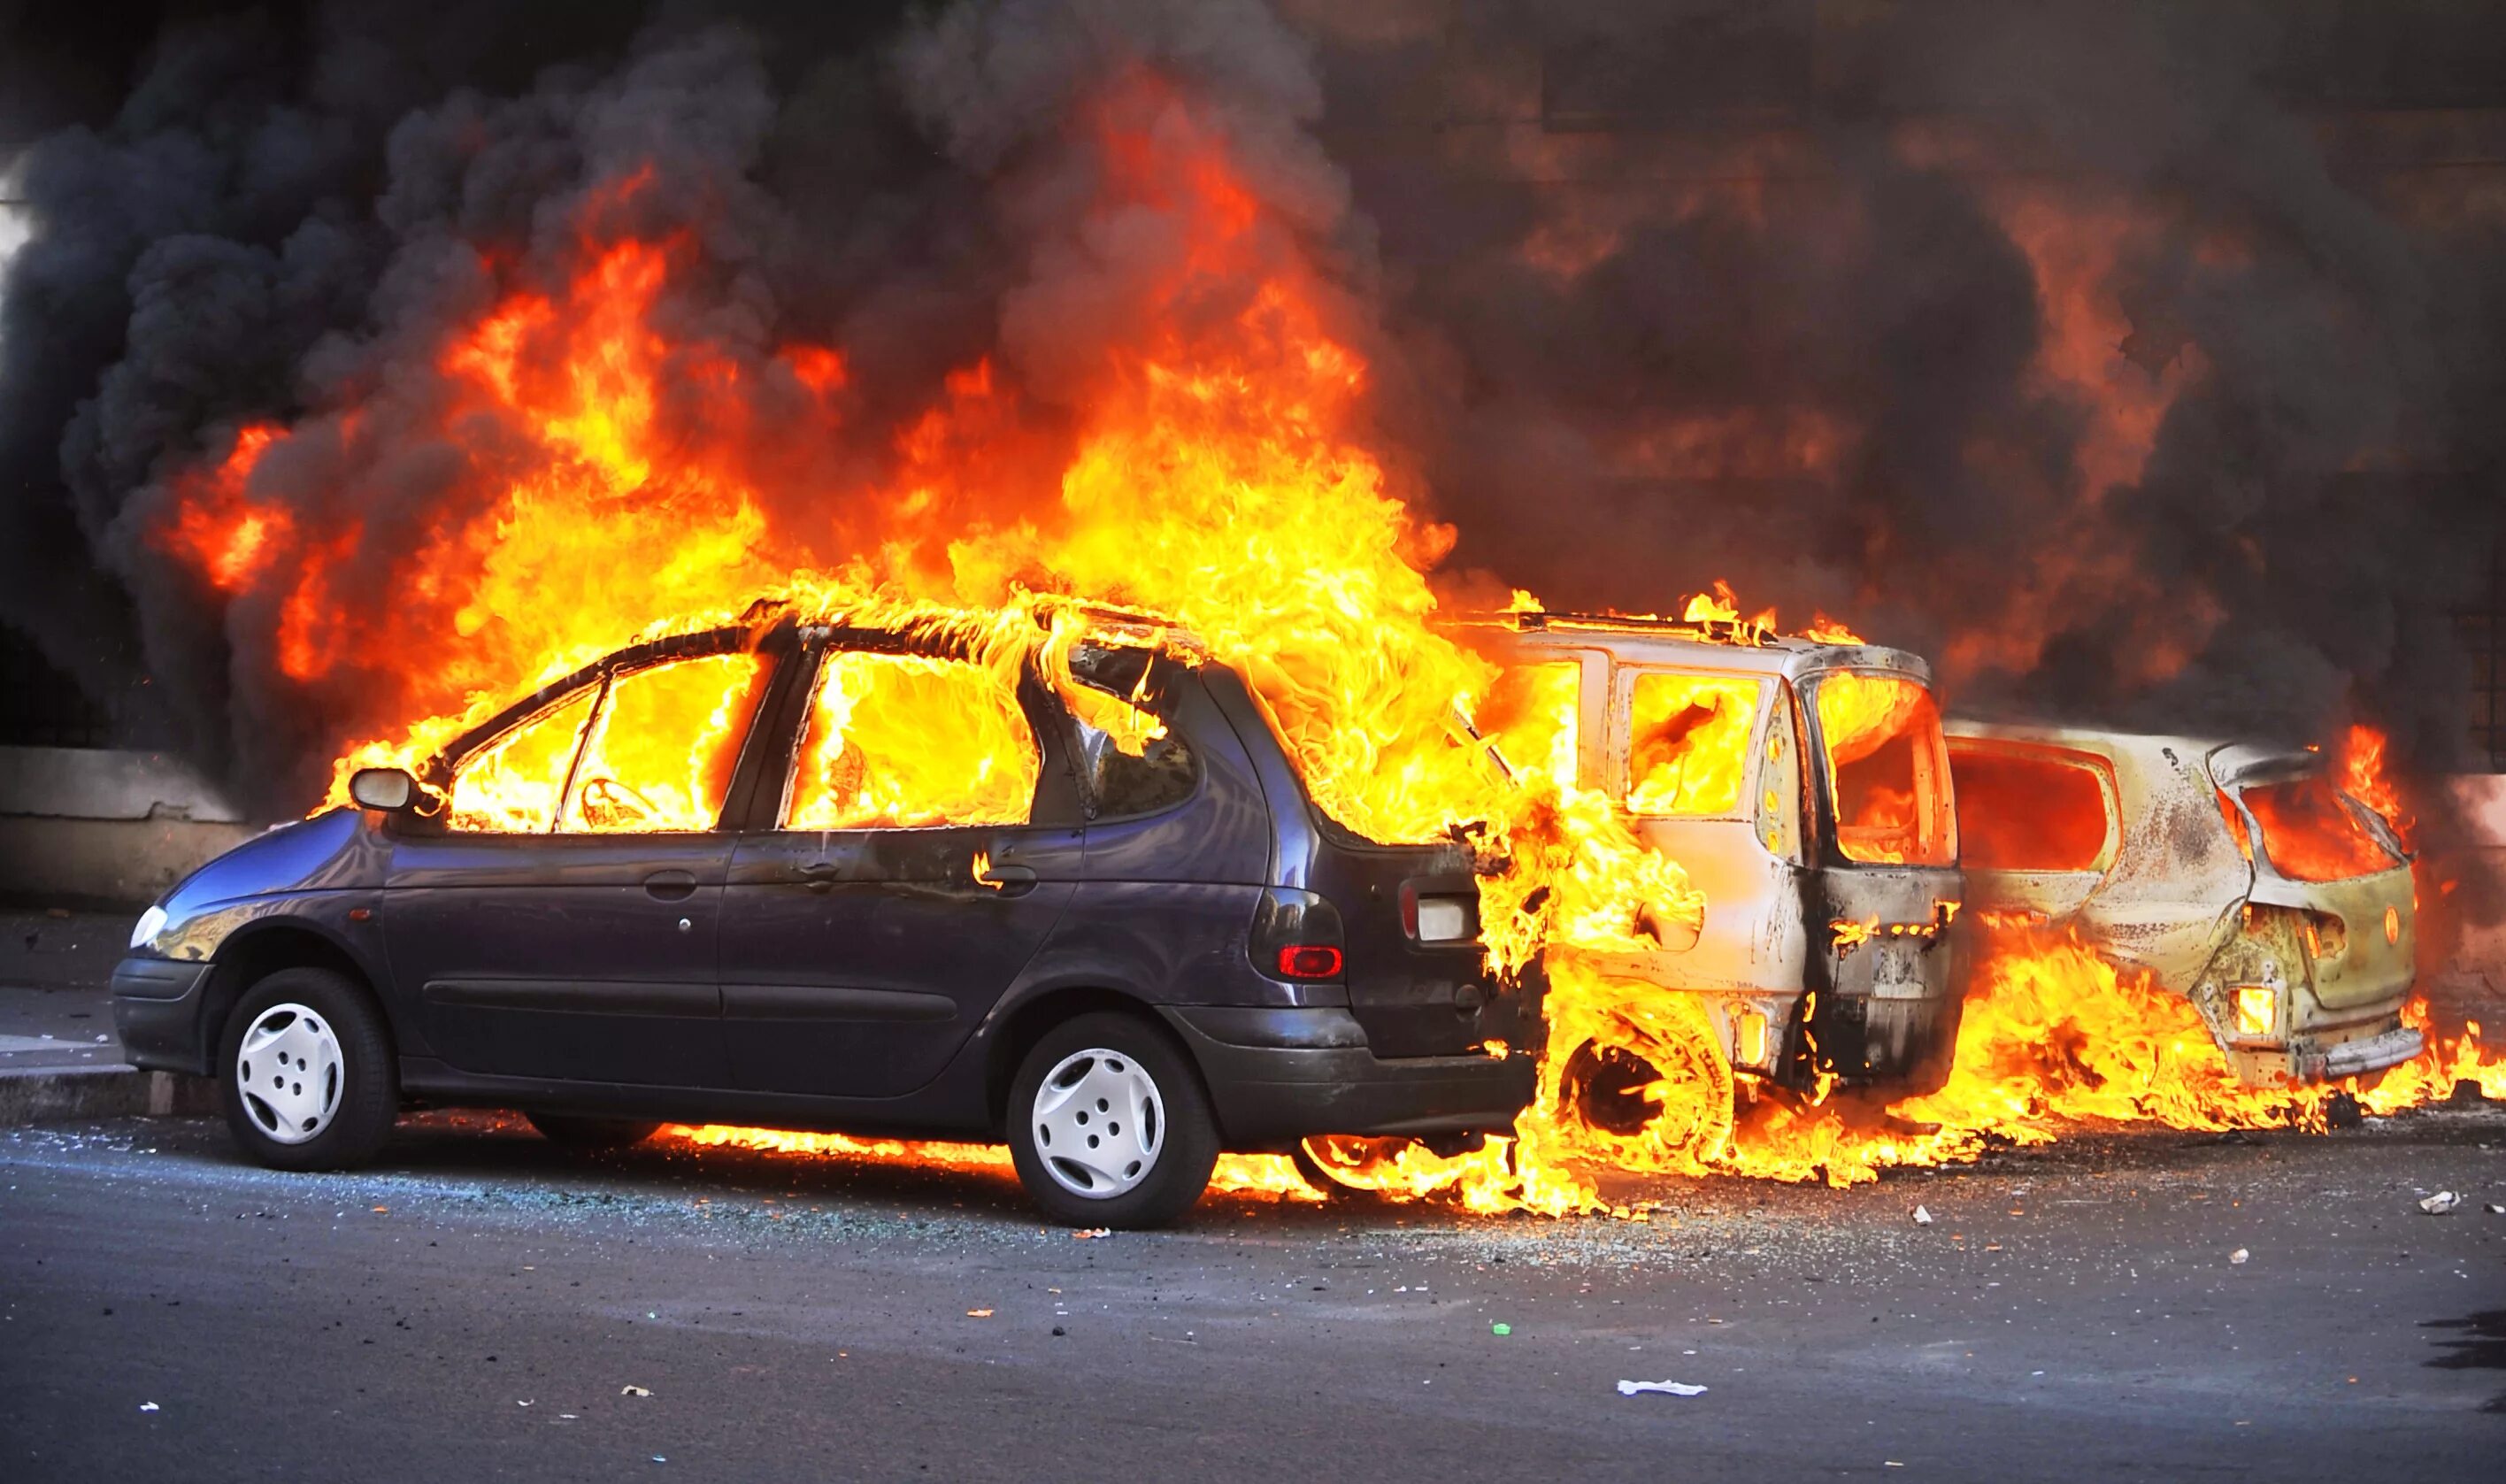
[1031, 1018]
[259, 949]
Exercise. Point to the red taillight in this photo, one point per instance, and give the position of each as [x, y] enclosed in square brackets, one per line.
[1309, 960]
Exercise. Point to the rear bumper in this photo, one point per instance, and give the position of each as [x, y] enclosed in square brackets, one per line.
[1277, 1076]
[159, 1010]
[2326, 1059]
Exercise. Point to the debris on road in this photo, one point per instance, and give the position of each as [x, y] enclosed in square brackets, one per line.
[1666, 1388]
[1500, 1328]
[2496, 1210]
[2440, 1203]
[633, 1391]
[2237, 1257]
[1922, 1218]
[147, 1407]
[979, 1314]
[1091, 1233]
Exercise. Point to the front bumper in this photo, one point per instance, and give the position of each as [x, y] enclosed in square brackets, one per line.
[1277, 1076]
[159, 1010]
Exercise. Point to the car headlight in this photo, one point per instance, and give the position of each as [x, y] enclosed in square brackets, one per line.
[144, 931]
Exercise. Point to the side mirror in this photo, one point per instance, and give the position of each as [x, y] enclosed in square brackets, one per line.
[389, 789]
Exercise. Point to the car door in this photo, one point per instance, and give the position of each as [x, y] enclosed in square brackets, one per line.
[898, 880]
[564, 924]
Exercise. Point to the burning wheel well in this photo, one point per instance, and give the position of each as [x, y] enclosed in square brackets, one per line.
[253, 955]
[1029, 1023]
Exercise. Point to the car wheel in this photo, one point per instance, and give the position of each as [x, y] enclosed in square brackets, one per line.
[575, 1131]
[1109, 1125]
[306, 1073]
[1657, 1092]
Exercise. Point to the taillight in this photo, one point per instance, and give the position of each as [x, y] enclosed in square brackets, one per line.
[1297, 935]
[1309, 960]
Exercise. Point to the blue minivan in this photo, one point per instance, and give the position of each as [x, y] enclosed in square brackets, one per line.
[1121, 939]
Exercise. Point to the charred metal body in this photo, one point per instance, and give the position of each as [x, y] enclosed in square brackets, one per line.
[2174, 874]
[877, 980]
[1811, 964]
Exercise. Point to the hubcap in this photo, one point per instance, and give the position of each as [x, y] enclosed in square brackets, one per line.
[1098, 1123]
[289, 1071]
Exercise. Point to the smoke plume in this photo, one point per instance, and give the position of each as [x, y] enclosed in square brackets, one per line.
[2103, 353]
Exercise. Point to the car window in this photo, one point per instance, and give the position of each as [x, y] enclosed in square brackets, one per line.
[662, 746]
[2029, 811]
[1130, 762]
[1531, 716]
[1886, 769]
[2310, 832]
[902, 741]
[514, 785]
[1688, 742]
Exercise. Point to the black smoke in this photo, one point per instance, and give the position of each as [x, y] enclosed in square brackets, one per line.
[1653, 294]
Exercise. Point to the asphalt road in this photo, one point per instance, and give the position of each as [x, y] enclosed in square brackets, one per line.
[477, 1307]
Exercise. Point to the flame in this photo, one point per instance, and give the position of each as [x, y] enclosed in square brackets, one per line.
[1256, 1174]
[618, 473]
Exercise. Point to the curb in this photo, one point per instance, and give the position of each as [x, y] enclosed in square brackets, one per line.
[68, 1094]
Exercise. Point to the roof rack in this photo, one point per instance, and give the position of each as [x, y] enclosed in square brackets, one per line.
[1720, 630]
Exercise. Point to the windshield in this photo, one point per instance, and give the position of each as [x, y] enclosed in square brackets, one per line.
[1887, 773]
[2310, 831]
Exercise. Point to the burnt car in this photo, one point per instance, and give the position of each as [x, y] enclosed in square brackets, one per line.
[2235, 875]
[1802, 784]
[1053, 883]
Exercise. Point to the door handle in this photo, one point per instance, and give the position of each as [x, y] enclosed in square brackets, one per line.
[820, 875]
[670, 886]
[1008, 881]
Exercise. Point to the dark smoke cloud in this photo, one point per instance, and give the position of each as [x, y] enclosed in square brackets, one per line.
[2315, 505]
[1654, 293]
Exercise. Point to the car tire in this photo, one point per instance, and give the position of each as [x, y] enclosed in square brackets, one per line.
[1109, 1125]
[1670, 1046]
[306, 1072]
[576, 1132]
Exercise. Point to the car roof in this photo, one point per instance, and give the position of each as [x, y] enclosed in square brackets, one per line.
[2228, 762]
[1736, 648]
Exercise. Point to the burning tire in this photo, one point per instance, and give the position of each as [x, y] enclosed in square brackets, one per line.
[306, 1072]
[1109, 1126]
[592, 1133]
[1656, 1091]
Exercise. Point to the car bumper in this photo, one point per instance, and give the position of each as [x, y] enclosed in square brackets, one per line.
[158, 1010]
[2324, 1060]
[1277, 1076]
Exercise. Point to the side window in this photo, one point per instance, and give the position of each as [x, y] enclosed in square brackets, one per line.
[1531, 714]
[1688, 742]
[2029, 811]
[662, 746]
[899, 742]
[514, 784]
[1130, 762]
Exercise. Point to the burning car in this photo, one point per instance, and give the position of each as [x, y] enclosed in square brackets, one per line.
[2235, 875]
[1802, 786]
[1042, 876]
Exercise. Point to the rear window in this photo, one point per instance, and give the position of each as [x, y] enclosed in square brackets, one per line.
[2029, 811]
[2310, 832]
[1886, 769]
[1688, 742]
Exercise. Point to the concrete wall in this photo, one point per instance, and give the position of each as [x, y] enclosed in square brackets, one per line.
[87, 827]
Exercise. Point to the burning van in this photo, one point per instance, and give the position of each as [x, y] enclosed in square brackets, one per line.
[2235, 875]
[1803, 784]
